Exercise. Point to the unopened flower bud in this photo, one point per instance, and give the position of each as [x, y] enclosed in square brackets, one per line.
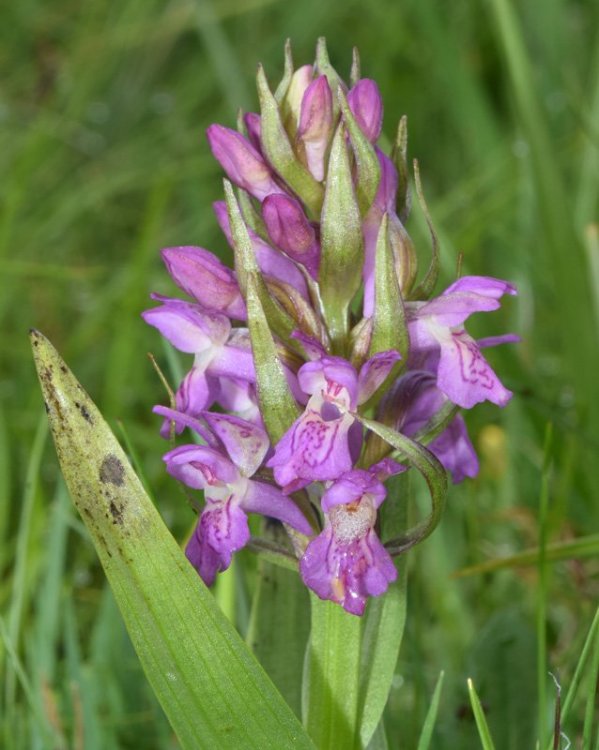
[366, 103]
[242, 163]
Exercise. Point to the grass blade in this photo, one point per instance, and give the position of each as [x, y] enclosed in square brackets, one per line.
[479, 716]
[431, 716]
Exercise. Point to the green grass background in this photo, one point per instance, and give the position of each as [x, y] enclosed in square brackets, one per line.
[103, 108]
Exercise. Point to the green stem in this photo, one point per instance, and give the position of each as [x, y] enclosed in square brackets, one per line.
[332, 677]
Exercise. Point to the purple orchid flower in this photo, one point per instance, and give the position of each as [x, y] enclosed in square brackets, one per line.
[223, 469]
[436, 328]
[346, 562]
[223, 368]
[324, 442]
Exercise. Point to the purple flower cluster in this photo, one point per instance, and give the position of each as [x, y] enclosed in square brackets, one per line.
[320, 212]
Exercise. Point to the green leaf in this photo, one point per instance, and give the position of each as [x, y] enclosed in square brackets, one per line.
[332, 677]
[591, 641]
[245, 263]
[428, 283]
[322, 66]
[390, 330]
[279, 152]
[503, 665]
[430, 468]
[277, 405]
[383, 627]
[213, 691]
[367, 163]
[400, 159]
[279, 627]
[585, 546]
[431, 716]
[341, 243]
[479, 716]
[283, 86]
[384, 620]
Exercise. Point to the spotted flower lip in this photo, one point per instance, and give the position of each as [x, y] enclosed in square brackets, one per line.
[324, 442]
[463, 374]
[223, 469]
[347, 562]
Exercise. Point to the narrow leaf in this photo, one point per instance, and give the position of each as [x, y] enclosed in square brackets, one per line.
[585, 546]
[367, 163]
[390, 330]
[479, 716]
[245, 264]
[277, 405]
[331, 681]
[322, 66]
[427, 285]
[283, 86]
[341, 242]
[211, 688]
[430, 468]
[383, 626]
[400, 159]
[591, 642]
[279, 627]
[279, 152]
[431, 716]
[384, 620]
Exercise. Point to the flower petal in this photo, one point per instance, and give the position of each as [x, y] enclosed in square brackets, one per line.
[454, 449]
[487, 286]
[465, 376]
[189, 328]
[221, 531]
[246, 443]
[270, 501]
[200, 467]
[312, 450]
[374, 372]
[351, 487]
[347, 573]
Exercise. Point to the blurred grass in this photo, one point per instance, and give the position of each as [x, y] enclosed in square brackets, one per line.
[102, 112]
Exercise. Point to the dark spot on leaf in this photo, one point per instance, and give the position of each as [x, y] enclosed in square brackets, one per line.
[63, 368]
[116, 513]
[84, 412]
[46, 407]
[112, 471]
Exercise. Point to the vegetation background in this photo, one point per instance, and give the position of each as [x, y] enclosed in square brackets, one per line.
[103, 158]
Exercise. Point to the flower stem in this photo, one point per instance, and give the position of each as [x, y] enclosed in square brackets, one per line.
[331, 679]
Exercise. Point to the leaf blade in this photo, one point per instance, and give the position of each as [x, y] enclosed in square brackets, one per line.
[213, 691]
